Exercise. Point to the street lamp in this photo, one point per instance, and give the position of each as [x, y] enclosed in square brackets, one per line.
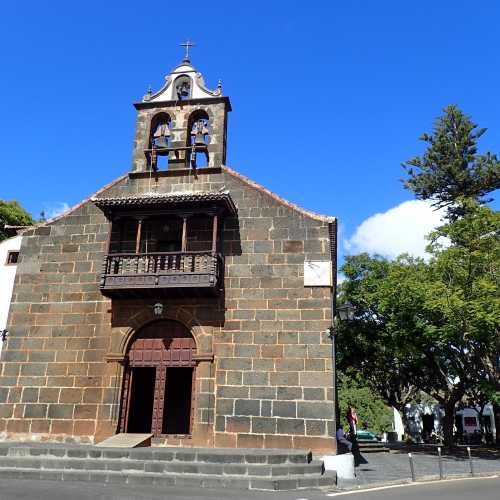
[345, 312]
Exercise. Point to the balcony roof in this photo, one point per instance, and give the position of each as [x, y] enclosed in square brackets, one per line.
[186, 200]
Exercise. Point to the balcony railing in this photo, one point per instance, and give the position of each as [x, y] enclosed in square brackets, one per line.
[122, 271]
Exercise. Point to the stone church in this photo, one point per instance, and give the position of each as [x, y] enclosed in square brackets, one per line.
[182, 300]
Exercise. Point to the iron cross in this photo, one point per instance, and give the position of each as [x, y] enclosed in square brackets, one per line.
[187, 45]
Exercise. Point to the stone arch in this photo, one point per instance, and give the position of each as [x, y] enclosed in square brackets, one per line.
[202, 338]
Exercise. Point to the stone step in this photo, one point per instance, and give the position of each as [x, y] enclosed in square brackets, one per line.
[126, 440]
[278, 483]
[47, 462]
[206, 467]
[208, 455]
[372, 447]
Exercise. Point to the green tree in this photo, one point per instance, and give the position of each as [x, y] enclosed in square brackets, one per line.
[11, 213]
[375, 344]
[371, 409]
[430, 326]
[451, 170]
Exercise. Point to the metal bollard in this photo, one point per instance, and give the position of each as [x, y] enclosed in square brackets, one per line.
[412, 469]
[440, 458]
[470, 462]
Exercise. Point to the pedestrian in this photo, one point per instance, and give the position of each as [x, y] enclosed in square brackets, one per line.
[352, 419]
[342, 441]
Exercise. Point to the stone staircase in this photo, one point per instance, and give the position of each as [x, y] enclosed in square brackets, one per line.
[253, 469]
[369, 446]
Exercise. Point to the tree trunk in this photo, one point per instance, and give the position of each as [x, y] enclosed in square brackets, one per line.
[448, 422]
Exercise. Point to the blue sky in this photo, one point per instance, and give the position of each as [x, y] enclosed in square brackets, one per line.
[328, 97]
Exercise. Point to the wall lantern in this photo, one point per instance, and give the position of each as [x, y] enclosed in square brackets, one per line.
[346, 312]
[158, 309]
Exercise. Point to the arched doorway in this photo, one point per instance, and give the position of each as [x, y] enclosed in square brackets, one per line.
[159, 381]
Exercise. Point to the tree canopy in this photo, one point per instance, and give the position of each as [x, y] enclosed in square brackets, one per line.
[451, 169]
[12, 214]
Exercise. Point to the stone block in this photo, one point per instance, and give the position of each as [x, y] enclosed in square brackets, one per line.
[265, 337]
[35, 411]
[6, 410]
[247, 407]
[238, 424]
[284, 379]
[71, 395]
[286, 409]
[291, 426]
[224, 406]
[263, 425]
[33, 369]
[272, 351]
[266, 408]
[36, 356]
[314, 393]
[263, 392]
[289, 393]
[255, 378]
[30, 395]
[48, 395]
[234, 378]
[85, 411]
[290, 365]
[312, 409]
[250, 441]
[295, 351]
[235, 364]
[232, 392]
[315, 365]
[316, 427]
[315, 379]
[60, 411]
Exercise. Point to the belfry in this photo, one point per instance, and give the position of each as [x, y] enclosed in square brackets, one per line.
[174, 301]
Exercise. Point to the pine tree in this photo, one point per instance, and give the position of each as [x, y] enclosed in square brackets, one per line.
[451, 172]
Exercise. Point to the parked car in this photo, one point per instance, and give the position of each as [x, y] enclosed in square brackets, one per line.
[367, 435]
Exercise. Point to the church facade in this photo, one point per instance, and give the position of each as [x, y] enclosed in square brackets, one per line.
[182, 300]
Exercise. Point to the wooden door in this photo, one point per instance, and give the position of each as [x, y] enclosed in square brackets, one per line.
[161, 344]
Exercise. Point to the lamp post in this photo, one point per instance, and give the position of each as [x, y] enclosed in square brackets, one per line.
[343, 313]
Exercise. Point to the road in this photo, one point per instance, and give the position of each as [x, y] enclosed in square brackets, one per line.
[483, 488]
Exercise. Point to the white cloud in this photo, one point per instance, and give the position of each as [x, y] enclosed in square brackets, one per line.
[402, 229]
[54, 209]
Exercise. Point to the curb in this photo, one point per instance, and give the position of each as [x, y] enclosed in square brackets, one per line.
[351, 487]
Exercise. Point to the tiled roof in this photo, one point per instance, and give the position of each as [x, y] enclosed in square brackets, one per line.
[165, 199]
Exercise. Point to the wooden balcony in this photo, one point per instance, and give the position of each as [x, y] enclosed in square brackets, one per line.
[170, 273]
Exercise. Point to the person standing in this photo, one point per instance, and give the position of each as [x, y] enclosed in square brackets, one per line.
[352, 419]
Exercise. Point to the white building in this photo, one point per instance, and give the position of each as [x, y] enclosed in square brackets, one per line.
[423, 419]
[9, 253]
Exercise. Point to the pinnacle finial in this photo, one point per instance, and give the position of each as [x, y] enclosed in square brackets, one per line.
[187, 45]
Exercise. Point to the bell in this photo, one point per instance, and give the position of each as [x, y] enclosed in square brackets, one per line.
[199, 139]
[161, 142]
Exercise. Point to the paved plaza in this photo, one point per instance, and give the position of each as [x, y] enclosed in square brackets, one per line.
[395, 467]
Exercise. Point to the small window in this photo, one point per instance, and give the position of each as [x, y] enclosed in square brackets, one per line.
[12, 257]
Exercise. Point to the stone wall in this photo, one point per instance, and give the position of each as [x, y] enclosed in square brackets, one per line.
[269, 383]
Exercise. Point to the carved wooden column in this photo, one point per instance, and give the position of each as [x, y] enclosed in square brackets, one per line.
[138, 237]
[184, 233]
[214, 232]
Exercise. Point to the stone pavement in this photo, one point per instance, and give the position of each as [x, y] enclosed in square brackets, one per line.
[395, 467]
